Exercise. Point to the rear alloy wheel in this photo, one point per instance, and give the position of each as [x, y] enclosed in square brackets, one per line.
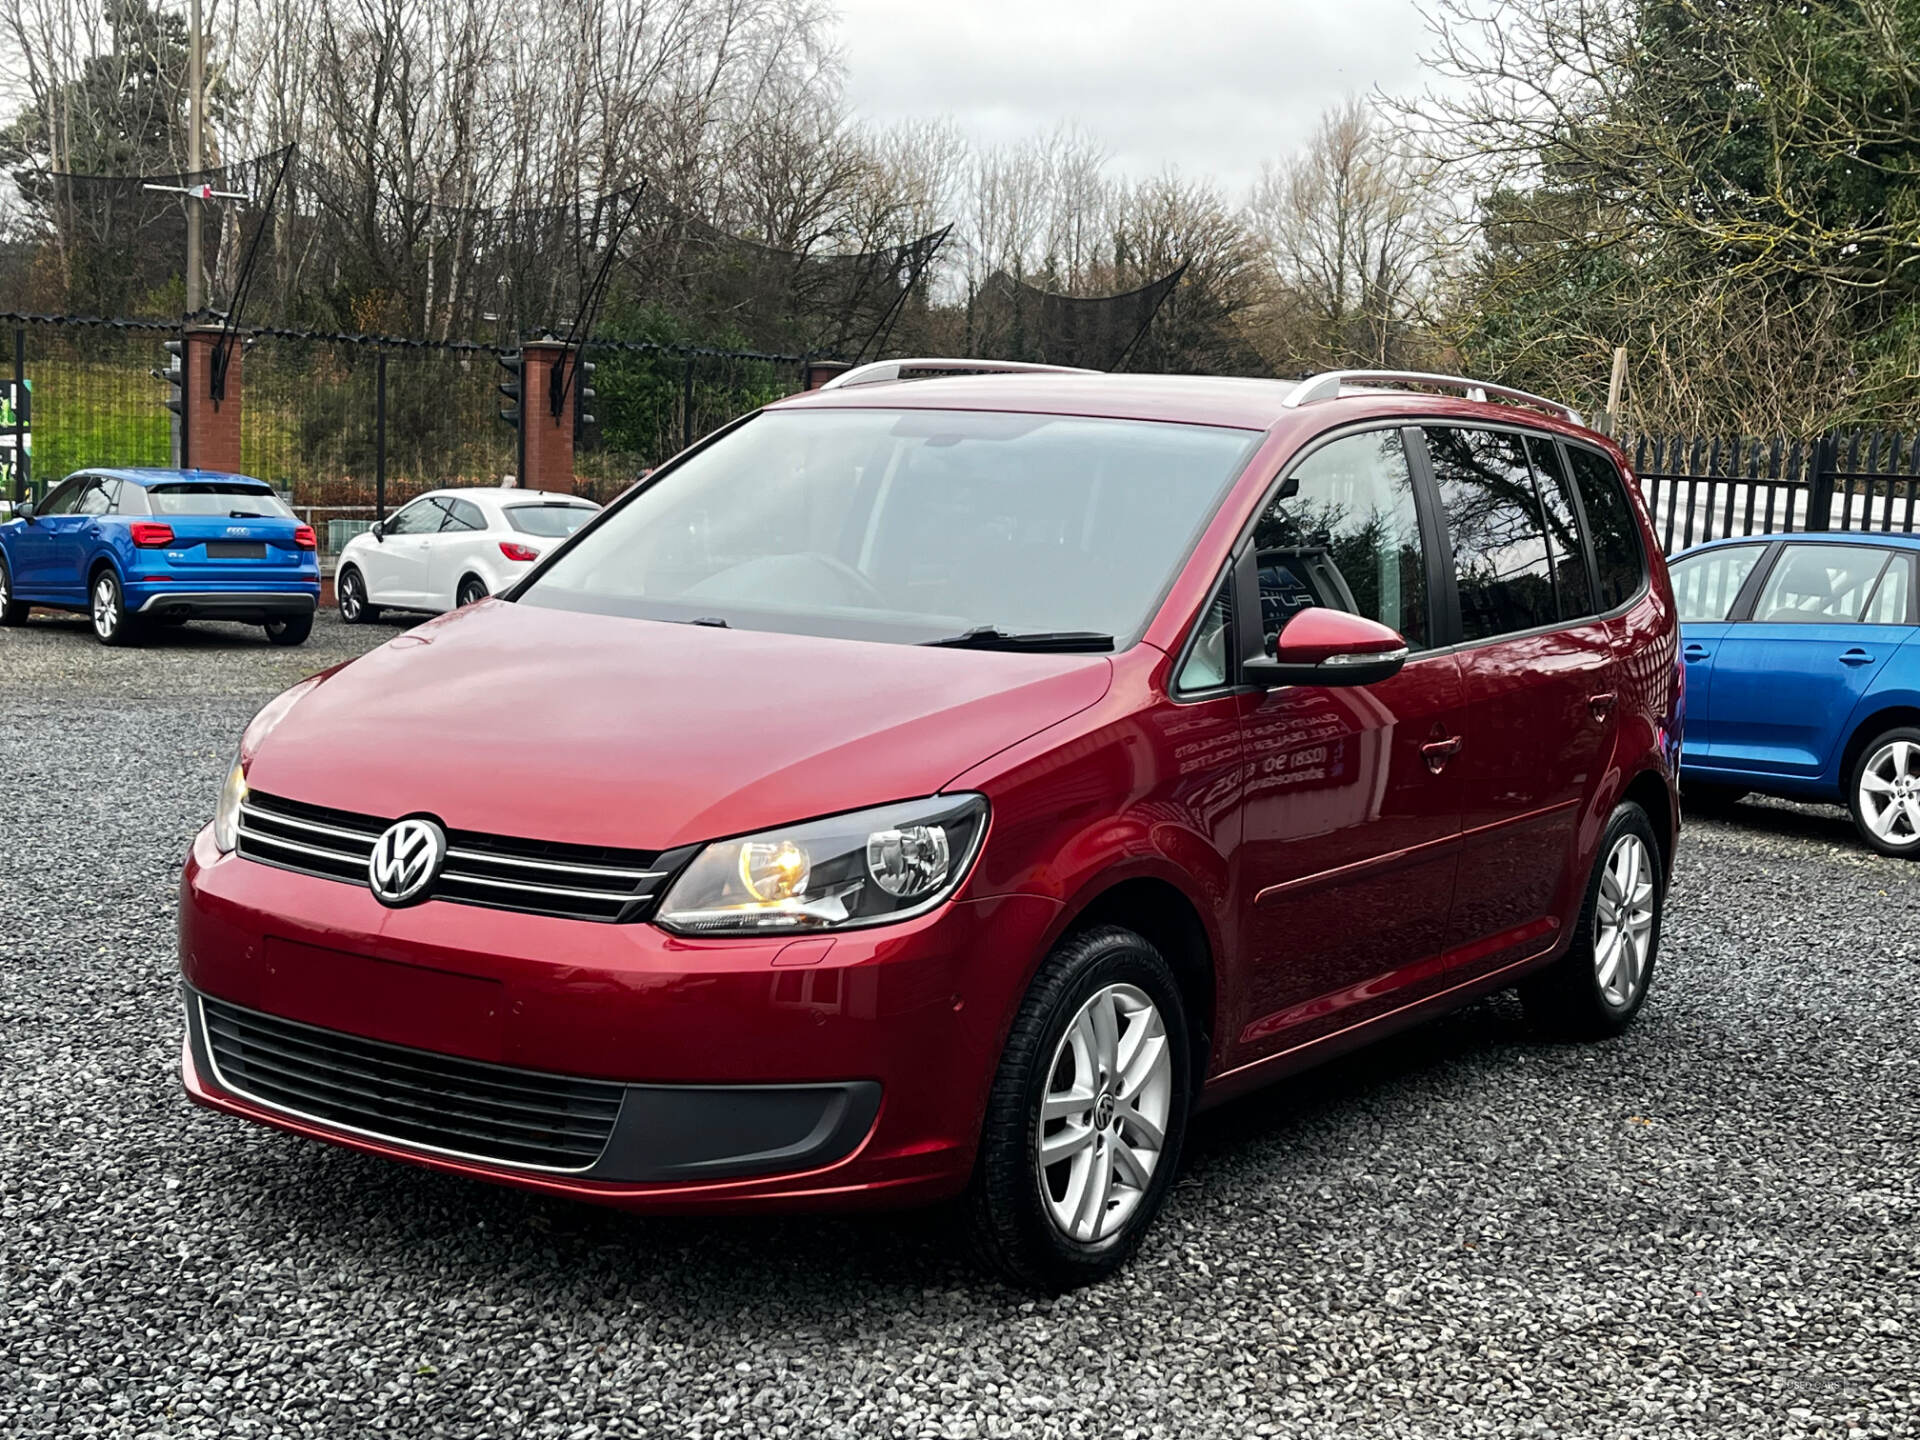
[290, 629]
[472, 591]
[1885, 794]
[351, 591]
[1086, 1115]
[12, 611]
[1599, 985]
[111, 623]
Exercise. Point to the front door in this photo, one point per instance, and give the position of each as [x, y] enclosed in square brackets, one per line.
[1352, 810]
[1541, 690]
[395, 565]
[1827, 620]
[33, 546]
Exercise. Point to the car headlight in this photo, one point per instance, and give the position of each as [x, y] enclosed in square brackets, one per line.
[226, 815]
[865, 868]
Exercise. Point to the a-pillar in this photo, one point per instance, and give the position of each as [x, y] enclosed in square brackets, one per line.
[546, 439]
[212, 430]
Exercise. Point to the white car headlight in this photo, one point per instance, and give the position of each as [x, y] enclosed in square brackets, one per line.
[226, 814]
[865, 868]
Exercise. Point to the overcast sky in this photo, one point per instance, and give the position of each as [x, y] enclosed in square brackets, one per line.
[1210, 86]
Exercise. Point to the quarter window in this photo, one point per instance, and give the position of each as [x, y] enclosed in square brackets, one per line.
[1500, 553]
[462, 515]
[1620, 567]
[1706, 585]
[1209, 665]
[1819, 584]
[1344, 532]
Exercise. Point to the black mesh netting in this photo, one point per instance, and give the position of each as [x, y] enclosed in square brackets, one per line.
[1008, 319]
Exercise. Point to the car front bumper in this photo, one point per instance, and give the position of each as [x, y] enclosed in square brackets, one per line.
[824, 1072]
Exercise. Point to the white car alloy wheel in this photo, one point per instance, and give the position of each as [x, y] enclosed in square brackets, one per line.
[1623, 921]
[1103, 1120]
[1890, 793]
[106, 607]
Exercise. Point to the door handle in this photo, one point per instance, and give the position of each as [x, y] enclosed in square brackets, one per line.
[1856, 656]
[1438, 752]
[1601, 705]
[1696, 651]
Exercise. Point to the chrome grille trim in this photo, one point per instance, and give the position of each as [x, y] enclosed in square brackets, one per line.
[441, 1104]
[497, 872]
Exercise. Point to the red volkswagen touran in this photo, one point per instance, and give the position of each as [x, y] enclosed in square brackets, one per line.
[945, 785]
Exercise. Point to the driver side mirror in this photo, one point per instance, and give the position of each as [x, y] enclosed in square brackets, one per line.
[24, 511]
[378, 530]
[1319, 646]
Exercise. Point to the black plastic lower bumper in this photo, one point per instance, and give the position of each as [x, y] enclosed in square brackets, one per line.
[671, 1134]
[247, 607]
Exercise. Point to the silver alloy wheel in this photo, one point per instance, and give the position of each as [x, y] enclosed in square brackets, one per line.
[1103, 1121]
[350, 597]
[1623, 921]
[106, 607]
[1890, 793]
[6, 589]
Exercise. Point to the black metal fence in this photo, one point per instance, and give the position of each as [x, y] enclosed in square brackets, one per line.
[1707, 488]
[347, 424]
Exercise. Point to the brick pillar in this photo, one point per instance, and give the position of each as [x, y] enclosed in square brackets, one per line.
[212, 440]
[546, 439]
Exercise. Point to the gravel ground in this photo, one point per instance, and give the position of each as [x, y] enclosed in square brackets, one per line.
[1708, 1228]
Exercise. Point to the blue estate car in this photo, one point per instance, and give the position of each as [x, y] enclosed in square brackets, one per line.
[127, 547]
[1803, 675]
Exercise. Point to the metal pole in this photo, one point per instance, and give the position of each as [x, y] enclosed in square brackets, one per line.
[380, 438]
[19, 413]
[686, 405]
[195, 120]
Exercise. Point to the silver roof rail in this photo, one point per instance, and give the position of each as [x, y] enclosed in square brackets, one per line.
[883, 370]
[1329, 385]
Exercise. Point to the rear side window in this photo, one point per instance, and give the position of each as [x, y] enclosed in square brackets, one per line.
[1706, 585]
[1819, 584]
[461, 515]
[213, 497]
[1620, 567]
[1500, 555]
[549, 521]
[1343, 532]
[1564, 541]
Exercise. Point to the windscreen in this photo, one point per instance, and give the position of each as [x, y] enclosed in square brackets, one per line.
[909, 525]
[549, 521]
[215, 497]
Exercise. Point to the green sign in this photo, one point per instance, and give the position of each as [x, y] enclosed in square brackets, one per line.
[16, 411]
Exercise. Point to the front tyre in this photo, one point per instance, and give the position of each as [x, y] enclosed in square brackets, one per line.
[1884, 793]
[1599, 985]
[1086, 1116]
[351, 591]
[12, 611]
[112, 625]
[290, 629]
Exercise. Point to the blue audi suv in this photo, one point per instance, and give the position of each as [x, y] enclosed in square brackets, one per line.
[130, 548]
[1803, 676]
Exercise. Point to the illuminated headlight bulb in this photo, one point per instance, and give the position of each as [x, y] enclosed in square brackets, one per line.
[774, 871]
[908, 861]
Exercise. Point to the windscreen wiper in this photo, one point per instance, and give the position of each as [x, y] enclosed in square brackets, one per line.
[991, 637]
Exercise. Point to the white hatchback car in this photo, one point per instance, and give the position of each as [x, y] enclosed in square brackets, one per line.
[452, 547]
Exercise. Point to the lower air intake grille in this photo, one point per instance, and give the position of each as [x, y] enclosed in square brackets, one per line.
[412, 1097]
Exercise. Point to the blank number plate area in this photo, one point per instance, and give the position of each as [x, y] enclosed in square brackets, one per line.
[236, 550]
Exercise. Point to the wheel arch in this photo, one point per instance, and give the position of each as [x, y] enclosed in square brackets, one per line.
[104, 560]
[1885, 717]
[1163, 914]
[1649, 790]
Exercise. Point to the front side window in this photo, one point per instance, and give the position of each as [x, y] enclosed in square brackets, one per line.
[1343, 531]
[1620, 567]
[422, 517]
[63, 497]
[910, 526]
[1500, 554]
[217, 497]
[1706, 585]
[1819, 584]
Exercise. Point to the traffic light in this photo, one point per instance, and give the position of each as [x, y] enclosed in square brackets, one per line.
[175, 375]
[514, 365]
[582, 398]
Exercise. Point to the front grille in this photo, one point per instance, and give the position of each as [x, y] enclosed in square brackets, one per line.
[413, 1097]
[582, 882]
